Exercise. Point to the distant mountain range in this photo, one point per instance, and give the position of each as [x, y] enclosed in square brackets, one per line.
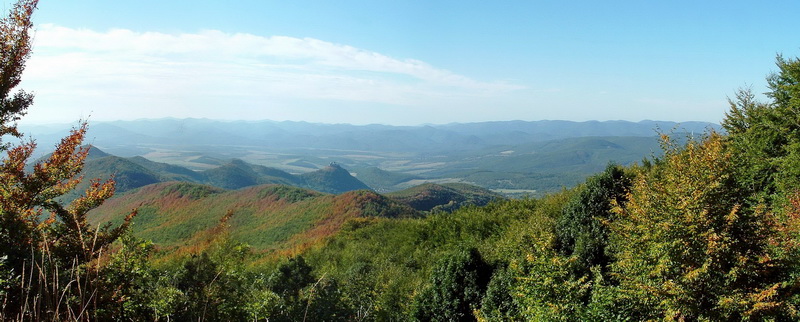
[382, 138]
[516, 158]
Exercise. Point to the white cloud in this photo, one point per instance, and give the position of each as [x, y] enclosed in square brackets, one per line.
[127, 69]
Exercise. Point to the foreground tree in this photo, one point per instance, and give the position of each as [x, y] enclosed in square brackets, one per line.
[456, 288]
[15, 48]
[50, 252]
[581, 230]
[560, 273]
[687, 249]
[765, 136]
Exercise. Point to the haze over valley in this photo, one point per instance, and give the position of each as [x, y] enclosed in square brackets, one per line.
[515, 158]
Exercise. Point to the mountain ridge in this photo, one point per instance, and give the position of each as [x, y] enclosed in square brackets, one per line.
[135, 172]
[372, 137]
[516, 157]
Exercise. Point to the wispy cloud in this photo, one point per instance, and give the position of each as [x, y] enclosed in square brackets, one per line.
[129, 68]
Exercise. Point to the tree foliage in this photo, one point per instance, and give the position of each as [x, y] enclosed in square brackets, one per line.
[456, 288]
[765, 137]
[498, 303]
[15, 48]
[581, 230]
[687, 249]
[50, 250]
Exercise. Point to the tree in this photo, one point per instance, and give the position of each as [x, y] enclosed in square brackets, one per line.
[498, 303]
[15, 48]
[50, 250]
[288, 280]
[456, 288]
[560, 273]
[766, 136]
[291, 277]
[581, 230]
[686, 249]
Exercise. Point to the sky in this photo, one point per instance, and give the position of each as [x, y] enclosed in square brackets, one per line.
[401, 62]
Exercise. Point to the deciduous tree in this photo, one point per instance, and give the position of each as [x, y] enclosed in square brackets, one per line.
[686, 249]
[50, 249]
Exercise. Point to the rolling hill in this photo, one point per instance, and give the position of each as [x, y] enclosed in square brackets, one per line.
[268, 217]
[444, 197]
[239, 174]
[331, 179]
[383, 181]
[135, 172]
[515, 158]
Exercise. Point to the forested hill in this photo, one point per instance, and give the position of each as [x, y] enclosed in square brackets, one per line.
[267, 217]
[135, 172]
[444, 197]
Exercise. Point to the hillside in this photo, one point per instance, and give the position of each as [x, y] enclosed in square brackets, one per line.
[268, 217]
[134, 172]
[383, 181]
[331, 179]
[444, 197]
[239, 174]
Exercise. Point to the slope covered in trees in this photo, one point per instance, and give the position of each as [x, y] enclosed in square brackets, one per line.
[444, 197]
[266, 217]
[136, 172]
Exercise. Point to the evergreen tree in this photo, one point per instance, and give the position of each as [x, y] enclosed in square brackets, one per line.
[456, 288]
[765, 137]
[581, 230]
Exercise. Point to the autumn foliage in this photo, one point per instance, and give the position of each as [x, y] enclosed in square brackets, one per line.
[688, 248]
[49, 250]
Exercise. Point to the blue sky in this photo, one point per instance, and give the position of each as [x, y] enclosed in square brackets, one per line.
[402, 63]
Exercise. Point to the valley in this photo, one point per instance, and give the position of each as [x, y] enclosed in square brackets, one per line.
[514, 158]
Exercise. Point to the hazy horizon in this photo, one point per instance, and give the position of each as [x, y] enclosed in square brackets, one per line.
[24, 122]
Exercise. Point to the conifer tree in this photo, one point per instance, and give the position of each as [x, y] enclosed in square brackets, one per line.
[765, 136]
[457, 286]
